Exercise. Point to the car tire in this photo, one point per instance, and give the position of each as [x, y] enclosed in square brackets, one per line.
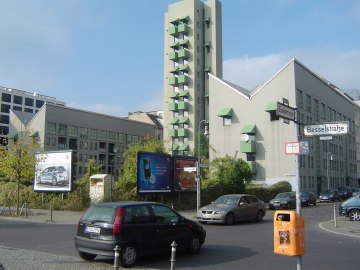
[86, 256]
[259, 216]
[354, 215]
[229, 219]
[54, 181]
[128, 255]
[195, 244]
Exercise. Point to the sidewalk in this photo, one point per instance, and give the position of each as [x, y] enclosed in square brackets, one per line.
[343, 225]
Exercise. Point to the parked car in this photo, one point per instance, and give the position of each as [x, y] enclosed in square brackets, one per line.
[351, 208]
[345, 192]
[283, 200]
[330, 195]
[137, 228]
[355, 191]
[231, 208]
[53, 175]
[307, 198]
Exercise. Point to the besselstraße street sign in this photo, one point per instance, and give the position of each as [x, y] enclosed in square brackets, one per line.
[335, 128]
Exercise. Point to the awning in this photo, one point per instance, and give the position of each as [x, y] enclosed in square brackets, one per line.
[206, 94]
[226, 112]
[184, 42]
[186, 18]
[174, 121]
[175, 44]
[271, 107]
[184, 93]
[207, 69]
[248, 129]
[184, 120]
[184, 67]
[207, 19]
[174, 95]
[35, 134]
[175, 147]
[207, 44]
[184, 147]
[13, 136]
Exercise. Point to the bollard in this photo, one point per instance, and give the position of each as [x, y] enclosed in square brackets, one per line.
[25, 209]
[173, 255]
[335, 216]
[51, 213]
[117, 258]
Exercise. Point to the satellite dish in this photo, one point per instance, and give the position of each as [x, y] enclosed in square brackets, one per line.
[244, 137]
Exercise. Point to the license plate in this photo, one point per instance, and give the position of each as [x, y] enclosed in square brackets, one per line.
[92, 230]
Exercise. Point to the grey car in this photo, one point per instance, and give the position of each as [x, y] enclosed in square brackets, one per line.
[231, 208]
[284, 200]
[53, 175]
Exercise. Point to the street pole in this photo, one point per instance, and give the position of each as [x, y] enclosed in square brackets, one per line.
[327, 169]
[298, 196]
[198, 172]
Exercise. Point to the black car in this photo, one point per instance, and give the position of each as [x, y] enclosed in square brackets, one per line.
[345, 192]
[351, 208]
[283, 200]
[307, 198]
[137, 228]
[330, 195]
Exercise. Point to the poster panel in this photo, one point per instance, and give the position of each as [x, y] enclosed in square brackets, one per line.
[184, 180]
[153, 172]
[53, 171]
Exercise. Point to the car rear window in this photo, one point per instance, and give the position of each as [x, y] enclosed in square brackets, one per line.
[99, 214]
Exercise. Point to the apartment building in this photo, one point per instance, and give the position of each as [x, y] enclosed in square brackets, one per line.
[192, 47]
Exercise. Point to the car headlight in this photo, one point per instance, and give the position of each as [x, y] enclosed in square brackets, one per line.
[219, 212]
[283, 201]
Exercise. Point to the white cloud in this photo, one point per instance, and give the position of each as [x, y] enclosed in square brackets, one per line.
[155, 102]
[339, 67]
[101, 108]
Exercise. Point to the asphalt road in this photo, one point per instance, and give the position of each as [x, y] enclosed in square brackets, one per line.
[247, 245]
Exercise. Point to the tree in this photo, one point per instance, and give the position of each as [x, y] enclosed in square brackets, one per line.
[226, 175]
[17, 161]
[128, 178]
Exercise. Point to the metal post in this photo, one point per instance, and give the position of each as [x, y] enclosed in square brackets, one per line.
[173, 255]
[298, 196]
[335, 216]
[327, 168]
[51, 213]
[117, 258]
[198, 168]
[25, 209]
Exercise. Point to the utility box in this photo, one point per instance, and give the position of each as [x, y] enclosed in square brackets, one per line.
[100, 188]
[288, 233]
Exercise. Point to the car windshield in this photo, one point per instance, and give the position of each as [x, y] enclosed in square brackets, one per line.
[283, 195]
[326, 192]
[96, 214]
[231, 200]
[305, 194]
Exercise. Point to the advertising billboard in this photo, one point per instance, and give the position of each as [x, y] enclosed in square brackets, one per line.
[53, 171]
[153, 172]
[184, 179]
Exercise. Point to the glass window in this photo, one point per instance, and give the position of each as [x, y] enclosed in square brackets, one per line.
[4, 119]
[308, 103]
[92, 133]
[28, 110]
[29, 102]
[6, 97]
[17, 108]
[51, 128]
[102, 135]
[112, 136]
[164, 214]
[17, 99]
[226, 121]
[121, 138]
[83, 133]
[73, 131]
[299, 98]
[39, 103]
[5, 108]
[62, 130]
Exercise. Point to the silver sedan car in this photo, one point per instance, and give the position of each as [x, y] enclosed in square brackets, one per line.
[231, 208]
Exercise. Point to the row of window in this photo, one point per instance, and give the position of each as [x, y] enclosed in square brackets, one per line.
[89, 133]
[5, 108]
[20, 100]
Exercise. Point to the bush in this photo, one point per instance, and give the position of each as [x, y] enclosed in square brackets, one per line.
[266, 193]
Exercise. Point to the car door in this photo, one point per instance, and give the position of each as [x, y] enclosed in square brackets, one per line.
[169, 227]
[242, 209]
[253, 207]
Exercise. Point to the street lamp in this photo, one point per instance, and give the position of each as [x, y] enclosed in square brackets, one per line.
[198, 176]
[328, 158]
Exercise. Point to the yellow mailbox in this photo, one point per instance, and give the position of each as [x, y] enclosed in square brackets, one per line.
[288, 233]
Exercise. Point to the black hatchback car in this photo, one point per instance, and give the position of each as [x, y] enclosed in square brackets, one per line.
[137, 227]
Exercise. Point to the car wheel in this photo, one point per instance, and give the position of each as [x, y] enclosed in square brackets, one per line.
[54, 181]
[314, 203]
[259, 216]
[86, 256]
[354, 215]
[230, 219]
[195, 244]
[128, 255]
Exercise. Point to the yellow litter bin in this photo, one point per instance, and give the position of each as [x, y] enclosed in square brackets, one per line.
[288, 233]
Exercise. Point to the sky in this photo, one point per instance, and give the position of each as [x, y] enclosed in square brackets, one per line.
[107, 56]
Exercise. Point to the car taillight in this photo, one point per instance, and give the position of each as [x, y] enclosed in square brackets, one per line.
[117, 221]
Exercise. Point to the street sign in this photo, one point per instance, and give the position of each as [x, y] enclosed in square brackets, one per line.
[189, 169]
[304, 148]
[292, 148]
[335, 128]
[285, 111]
[203, 165]
[325, 138]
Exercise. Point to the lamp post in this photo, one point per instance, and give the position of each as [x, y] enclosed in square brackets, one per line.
[328, 158]
[198, 176]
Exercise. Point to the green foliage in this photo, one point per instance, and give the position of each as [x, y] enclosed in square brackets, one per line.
[128, 179]
[226, 175]
[266, 193]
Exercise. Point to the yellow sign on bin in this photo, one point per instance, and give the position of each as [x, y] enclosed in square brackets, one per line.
[288, 233]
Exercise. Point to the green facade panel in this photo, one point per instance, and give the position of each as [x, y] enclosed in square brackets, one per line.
[248, 147]
[183, 132]
[183, 28]
[252, 165]
[183, 54]
[173, 133]
[183, 79]
[173, 56]
[183, 105]
[173, 80]
[173, 106]
[173, 31]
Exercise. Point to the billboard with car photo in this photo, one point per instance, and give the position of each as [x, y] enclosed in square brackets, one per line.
[53, 171]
